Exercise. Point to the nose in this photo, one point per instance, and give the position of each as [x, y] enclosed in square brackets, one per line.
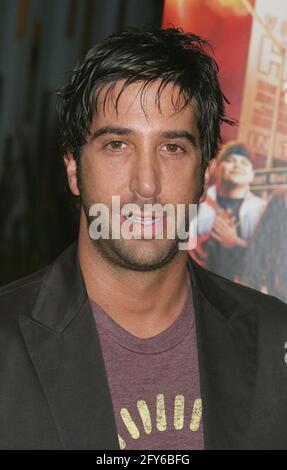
[145, 180]
[238, 163]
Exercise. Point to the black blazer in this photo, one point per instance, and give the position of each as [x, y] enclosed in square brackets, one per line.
[54, 392]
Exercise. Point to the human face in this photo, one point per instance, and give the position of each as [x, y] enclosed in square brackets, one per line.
[237, 170]
[143, 155]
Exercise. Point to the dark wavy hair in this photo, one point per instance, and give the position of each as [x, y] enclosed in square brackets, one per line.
[146, 55]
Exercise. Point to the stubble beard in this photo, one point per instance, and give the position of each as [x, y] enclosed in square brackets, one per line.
[124, 254]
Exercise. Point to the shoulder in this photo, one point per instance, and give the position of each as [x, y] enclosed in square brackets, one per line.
[211, 191]
[206, 208]
[19, 297]
[235, 300]
[23, 283]
[255, 200]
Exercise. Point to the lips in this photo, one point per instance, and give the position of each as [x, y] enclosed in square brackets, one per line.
[142, 215]
[146, 220]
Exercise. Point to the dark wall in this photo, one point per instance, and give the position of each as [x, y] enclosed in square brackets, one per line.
[40, 41]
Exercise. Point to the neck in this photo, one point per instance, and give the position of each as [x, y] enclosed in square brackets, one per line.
[233, 191]
[143, 303]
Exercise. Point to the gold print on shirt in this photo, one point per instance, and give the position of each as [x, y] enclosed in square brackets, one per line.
[161, 422]
[178, 412]
[196, 415]
[145, 416]
[130, 424]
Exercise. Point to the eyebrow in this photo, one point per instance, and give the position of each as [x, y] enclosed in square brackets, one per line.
[179, 134]
[111, 130]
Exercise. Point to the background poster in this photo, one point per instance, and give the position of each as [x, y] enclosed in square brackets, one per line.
[243, 223]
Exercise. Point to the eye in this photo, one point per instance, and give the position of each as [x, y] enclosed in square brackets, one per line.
[173, 148]
[115, 145]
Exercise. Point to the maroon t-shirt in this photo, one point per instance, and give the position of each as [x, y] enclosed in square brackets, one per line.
[154, 383]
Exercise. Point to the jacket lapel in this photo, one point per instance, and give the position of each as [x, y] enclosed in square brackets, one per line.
[227, 354]
[63, 343]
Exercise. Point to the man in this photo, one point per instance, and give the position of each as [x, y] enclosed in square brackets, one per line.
[125, 343]
[228, 217]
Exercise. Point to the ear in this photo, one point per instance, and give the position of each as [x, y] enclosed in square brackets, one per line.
[71, 169]
[207, 175]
